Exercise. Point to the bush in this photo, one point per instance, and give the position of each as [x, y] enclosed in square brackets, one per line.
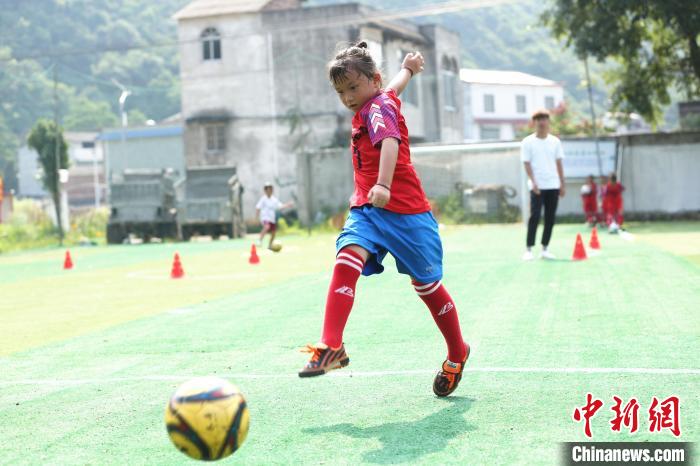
[89, 225]
[30, 227]
[450, 211]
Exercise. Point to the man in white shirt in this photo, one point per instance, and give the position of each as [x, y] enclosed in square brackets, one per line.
[542, 155]
[267, 208]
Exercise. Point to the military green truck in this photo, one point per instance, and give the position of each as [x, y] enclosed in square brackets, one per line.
[143, 204]
[210, 203]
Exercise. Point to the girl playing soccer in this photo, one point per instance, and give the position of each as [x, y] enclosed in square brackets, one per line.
[389, 213]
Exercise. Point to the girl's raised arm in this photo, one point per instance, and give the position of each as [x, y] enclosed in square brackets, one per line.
[412, 64]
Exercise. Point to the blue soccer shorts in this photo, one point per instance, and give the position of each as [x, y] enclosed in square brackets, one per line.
[412, 239]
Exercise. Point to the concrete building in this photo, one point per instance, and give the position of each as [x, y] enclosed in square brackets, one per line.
[255, 92]
[498, 103]
[85, 186]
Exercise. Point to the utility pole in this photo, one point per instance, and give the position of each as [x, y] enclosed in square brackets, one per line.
[125, 122]
[595, 129]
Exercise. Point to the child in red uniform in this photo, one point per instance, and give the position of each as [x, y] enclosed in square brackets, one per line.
[589, 196]
[604, 209]
[389, 214]
[613, 200]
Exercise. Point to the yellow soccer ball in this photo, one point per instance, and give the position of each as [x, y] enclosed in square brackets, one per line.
[207, 418]
[276, 247]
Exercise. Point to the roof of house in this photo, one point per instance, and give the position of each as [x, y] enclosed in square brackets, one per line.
[80, 135]
[204, 8]
[401, 28]
[476, 76]
[115, 134]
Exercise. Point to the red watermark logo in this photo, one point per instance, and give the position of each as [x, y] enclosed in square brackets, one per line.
[663, 414]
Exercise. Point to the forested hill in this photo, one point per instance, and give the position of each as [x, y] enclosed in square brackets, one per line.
[43, 38]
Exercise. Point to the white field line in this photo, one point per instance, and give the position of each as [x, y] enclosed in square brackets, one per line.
[399, 373]
[165, 275]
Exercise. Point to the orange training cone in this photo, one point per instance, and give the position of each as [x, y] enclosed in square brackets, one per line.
[579, 250]
[177, 271]
[254, 259]
[594, 243]
[67, 262]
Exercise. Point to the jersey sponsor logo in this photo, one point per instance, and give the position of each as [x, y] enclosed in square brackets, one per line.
[346, 290]
[375, 117]
[446, 308]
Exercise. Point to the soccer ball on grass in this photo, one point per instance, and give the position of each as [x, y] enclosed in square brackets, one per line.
[207, 418]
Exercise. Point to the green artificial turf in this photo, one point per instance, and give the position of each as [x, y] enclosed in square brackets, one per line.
[89, 357]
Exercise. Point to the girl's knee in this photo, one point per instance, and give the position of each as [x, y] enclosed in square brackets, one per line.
[358, 250]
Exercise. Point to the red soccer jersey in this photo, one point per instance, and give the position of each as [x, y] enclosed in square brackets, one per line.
[378, 119]
[614, 191]
[590, 200]
[593, 194]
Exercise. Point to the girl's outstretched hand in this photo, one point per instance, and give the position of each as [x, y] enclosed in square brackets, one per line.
[414, 61]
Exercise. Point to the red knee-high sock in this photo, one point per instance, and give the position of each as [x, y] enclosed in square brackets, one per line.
[341, 295]
[444, 312]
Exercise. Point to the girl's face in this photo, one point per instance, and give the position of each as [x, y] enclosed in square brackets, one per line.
[356, 89]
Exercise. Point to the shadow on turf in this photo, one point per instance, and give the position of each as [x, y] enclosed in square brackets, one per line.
[409, 440]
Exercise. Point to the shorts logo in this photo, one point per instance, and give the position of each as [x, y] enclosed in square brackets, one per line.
[446, 308]
[346, 290]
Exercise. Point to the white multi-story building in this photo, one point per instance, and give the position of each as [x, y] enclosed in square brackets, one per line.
[498, 103]
[85, 186]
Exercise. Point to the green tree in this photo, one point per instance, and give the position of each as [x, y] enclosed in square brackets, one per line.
[9, 144]
[654, 44]
[85, 113]
[47, 140]
[564, 122]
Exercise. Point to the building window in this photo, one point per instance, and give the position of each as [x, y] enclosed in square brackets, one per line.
[410, 93]
[216, 137]
[520, 104]
[88, 144]
[487, 132]
[489, 103]
[211, 44]
[549, 102]
[449, 83]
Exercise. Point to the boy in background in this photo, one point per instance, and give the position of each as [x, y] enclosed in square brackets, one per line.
[266, 211]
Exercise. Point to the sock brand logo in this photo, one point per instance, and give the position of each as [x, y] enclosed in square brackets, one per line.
[446, 308]
[346, 290]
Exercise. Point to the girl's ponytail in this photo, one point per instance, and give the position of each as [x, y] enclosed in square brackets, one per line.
[353, 57]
